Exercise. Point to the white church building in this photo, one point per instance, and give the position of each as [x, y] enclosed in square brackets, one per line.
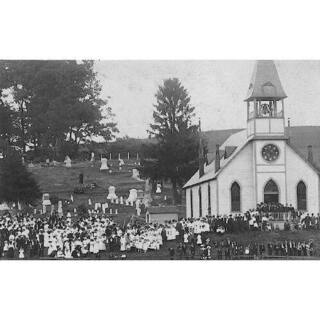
[257, 164]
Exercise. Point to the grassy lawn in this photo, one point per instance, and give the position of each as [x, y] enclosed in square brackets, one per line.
[60, 181]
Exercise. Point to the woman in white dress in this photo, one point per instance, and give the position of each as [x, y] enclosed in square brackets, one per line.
[123, 244]
[67, 251]
[199, 240]
[96, 246]
[185, 238]
[21, 253]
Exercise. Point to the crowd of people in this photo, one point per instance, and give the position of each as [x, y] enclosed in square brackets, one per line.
[97, 235]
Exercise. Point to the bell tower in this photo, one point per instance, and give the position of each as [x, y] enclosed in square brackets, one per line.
[265, 102]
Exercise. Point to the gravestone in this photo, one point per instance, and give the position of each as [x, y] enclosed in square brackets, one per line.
[132, 195]
[121, 200]
[89, 202]
[112, 193]
[140, 194]
[92, 157]
[67, 161]
[46, 203]
[104, 164]
[158, 190]
[135, 174]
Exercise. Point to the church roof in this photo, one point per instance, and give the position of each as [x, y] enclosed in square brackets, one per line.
[265, 82]
[237, 141]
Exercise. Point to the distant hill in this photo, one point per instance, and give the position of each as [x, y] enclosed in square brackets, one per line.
[300, 137]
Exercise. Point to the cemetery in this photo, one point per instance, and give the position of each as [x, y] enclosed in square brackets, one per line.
[113, 186]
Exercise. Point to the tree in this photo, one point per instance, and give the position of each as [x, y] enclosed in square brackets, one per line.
[16, 182]
[175, 155]
[55, 101]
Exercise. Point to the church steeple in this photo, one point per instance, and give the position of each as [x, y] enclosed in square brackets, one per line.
[265, 82]
[265, 106]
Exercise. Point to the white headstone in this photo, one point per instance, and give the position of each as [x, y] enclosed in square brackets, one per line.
[135, 174]
[92, 157]
[110, 211]
[116, 211]
[46, 199]
[104, 164]
[67, 161]
[138, 211]
[121, 200]
[132, 195]
[158, 188]
[71, 198]
[89, 202]
[112, 193]
[117, 201]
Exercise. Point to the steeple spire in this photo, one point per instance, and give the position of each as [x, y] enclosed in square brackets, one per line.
[265, 101]
[265, 82]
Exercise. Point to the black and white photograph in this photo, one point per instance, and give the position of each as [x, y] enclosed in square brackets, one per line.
[123, 160]
[159, 159]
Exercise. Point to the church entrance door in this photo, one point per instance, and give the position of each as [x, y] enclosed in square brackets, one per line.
[271, 192]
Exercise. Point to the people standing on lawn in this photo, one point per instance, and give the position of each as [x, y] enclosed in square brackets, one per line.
[64, 237]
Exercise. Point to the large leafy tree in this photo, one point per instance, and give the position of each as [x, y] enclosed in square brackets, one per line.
[16, 182]
[175, 156]
[54, 102]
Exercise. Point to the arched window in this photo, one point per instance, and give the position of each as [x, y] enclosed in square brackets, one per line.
[200, 202]
[271, 192]
[302, 196]
[235, 197]
[209, 199]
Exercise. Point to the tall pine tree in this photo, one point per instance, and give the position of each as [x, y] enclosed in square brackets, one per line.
[175, 157]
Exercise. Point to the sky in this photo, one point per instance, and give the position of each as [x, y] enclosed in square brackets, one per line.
[217, 89]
